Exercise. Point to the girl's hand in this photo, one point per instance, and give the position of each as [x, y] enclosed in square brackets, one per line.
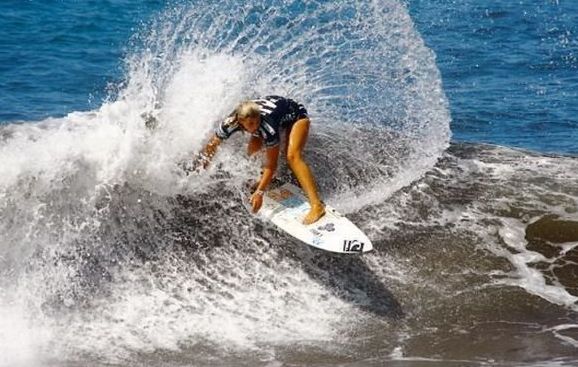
[257, 200]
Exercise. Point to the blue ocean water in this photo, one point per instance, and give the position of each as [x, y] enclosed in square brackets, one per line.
[509, 68]
[57, 57]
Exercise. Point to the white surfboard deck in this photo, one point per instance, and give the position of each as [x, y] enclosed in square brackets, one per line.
[286, 206]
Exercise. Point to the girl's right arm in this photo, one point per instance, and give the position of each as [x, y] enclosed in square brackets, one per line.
[209, 151]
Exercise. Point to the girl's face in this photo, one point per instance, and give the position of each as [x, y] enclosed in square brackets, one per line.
[250, 124]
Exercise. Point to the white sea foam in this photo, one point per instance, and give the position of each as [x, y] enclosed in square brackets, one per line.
[21, 340]
[532, 280]
[258, 304]
[556, 330]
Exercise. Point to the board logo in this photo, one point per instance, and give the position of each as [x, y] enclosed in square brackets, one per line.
[352, 246]
[329, 227]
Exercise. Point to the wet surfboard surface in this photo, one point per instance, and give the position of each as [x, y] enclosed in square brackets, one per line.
[285, 206]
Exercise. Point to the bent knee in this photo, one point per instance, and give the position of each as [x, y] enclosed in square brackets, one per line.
[293, 157]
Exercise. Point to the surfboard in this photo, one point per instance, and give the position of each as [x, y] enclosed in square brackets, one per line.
[286, 206]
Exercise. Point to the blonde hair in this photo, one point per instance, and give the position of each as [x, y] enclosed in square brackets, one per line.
[247, 109]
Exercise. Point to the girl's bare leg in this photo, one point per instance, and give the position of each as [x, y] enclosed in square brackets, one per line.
[297, 139]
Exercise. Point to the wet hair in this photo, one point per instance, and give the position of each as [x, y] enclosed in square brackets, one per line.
[247, 109]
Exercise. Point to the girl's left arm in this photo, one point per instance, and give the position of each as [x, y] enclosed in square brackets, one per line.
[269, 169]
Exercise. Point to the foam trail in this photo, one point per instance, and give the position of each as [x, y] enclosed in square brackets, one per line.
[532, 280]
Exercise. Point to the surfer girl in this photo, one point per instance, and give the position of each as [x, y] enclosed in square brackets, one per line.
[265, 119]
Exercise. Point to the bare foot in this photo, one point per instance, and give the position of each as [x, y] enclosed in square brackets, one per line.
[316, 212]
